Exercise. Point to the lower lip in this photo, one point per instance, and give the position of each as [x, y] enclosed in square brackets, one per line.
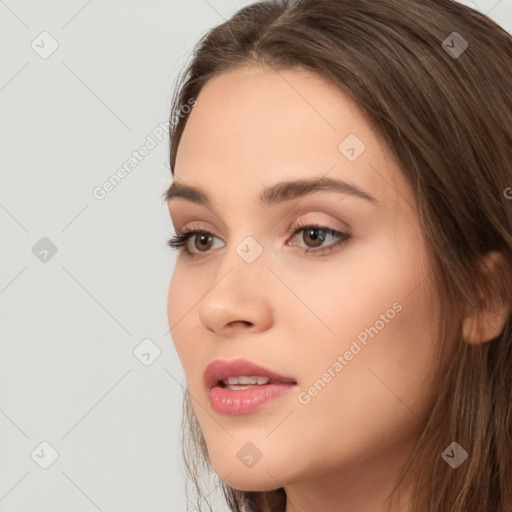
[243, 401]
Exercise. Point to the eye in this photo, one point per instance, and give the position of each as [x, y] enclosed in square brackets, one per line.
[314, 234]
[181, 238]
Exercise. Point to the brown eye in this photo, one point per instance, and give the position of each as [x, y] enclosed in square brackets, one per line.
[205, 241]
[313, 237]
[181, 239]
[316, 235]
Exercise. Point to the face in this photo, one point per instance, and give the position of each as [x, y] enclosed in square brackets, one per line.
[345, 309]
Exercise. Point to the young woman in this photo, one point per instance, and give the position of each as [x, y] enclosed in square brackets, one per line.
[341, 300]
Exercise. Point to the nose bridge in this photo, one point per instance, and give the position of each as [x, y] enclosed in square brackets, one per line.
[245, 256]
[250, 250]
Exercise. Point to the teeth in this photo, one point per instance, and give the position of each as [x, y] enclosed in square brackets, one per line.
[244, 380]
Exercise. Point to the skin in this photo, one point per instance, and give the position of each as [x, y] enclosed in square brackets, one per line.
[296, 313]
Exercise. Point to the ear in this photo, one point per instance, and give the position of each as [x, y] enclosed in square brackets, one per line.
[487, 323]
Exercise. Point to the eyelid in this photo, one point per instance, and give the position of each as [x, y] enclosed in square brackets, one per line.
[328, 224]
[315, 221]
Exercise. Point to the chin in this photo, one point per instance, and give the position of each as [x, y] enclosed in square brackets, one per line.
[237, 474]
[247, 480]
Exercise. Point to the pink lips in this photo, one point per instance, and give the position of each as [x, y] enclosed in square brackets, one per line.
[242, 401]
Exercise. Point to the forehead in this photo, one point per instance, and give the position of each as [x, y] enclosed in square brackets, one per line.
[254, 127]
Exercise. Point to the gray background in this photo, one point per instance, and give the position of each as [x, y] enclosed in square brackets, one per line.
[71, 321]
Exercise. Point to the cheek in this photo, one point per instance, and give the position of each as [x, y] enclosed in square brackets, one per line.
[334, 300]
[181, 298]
[385, 334]
[381, 388]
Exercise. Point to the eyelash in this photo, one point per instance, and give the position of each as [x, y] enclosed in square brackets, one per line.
[180, 239]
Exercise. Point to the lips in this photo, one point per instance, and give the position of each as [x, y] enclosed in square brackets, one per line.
[220, 369]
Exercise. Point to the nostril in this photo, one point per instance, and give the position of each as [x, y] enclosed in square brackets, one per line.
[244, 322]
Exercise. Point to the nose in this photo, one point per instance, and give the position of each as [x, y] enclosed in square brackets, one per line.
[238, 298]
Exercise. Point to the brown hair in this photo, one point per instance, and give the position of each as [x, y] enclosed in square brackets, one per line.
[447, 118]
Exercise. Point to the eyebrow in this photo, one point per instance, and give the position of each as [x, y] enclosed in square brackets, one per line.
[284, 191]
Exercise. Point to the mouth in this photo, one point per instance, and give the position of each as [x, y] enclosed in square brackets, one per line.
[245, 382]
[241, 374]
[240, 386]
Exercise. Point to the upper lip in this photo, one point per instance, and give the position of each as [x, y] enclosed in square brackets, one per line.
[220, 369]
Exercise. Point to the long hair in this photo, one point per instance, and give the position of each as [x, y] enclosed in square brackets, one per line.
[434, 78]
